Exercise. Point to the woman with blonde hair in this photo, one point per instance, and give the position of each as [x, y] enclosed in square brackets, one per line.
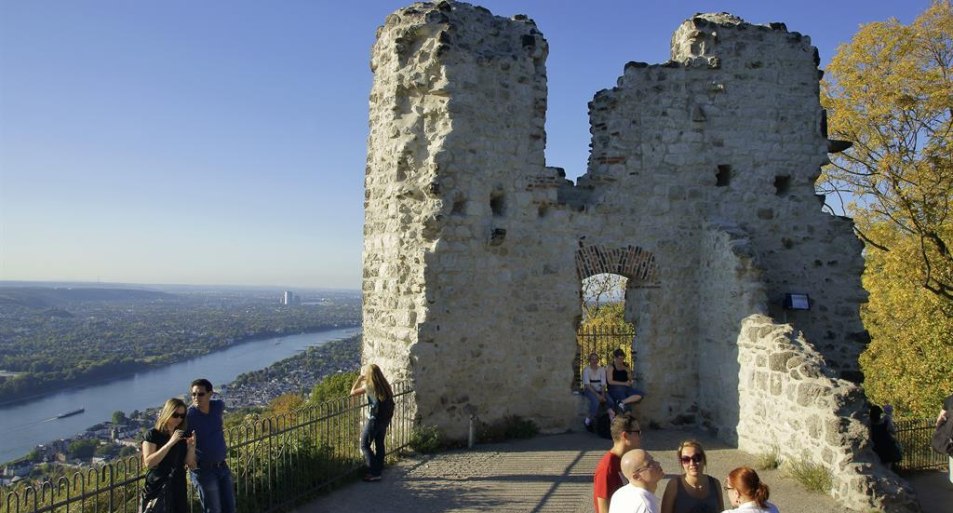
[371, 382]
[747, 493]
[166, 450]
[693, 491]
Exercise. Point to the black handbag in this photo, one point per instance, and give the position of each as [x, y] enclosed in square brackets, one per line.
[154, 501]
[154, 505]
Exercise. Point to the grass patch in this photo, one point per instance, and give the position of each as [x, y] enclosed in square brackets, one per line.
[811, 476]
[769, 460]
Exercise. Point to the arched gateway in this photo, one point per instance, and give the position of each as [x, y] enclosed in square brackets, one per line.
[700, 186]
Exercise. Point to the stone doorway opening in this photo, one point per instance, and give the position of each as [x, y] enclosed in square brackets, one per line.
[613, 282]
[603, 325]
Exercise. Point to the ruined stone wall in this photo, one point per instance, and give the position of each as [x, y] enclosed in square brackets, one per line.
[731, 275]
[730, 130]
[470, 239]
[792, 406]
[459, 299]
[699, 190]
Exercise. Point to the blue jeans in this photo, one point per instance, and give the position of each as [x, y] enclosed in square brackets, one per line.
[215, 488]
[594, 402]
[619, 393]
[375, 431]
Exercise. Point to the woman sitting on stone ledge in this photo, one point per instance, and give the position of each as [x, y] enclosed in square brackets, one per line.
[594, 387]
[620, 380]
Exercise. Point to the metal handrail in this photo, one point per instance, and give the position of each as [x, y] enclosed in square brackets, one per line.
[602, 341]
[276, 462]
[914, 437]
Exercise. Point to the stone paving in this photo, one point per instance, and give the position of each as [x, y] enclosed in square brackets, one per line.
[553, 474]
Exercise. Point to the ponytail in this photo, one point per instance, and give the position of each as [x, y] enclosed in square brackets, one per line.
[761, 494]
[748, 484]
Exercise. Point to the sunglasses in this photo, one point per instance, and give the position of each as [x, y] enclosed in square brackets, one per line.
[636, 431]
[178, 415]
[198, 394]
[697, 458]
[648, 465]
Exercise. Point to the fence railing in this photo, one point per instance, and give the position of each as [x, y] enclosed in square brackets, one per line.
[603, 341]
[276, 462]
[914, 436]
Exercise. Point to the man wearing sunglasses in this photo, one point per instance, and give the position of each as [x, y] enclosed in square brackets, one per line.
[211, 476]
[626, 435]
[644, 474]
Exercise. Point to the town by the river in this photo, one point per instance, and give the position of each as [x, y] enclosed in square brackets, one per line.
[42, 420]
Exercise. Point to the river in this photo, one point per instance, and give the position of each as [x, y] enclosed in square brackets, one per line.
[25, 425]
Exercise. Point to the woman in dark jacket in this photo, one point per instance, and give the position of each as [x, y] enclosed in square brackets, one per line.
[885, 445]
[166, 451]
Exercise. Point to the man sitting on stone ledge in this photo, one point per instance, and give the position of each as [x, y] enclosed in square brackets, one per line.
[626, 435]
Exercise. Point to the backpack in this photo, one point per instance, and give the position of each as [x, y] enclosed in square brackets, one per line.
[602, 426]
[382, 410]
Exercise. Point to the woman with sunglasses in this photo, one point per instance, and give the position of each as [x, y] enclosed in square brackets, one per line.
[693, 491]
[166, 451]
[620, 380]
[747, 493]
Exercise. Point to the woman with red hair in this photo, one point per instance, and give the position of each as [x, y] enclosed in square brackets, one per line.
[747, 493]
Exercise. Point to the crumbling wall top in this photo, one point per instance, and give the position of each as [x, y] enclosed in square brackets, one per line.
[722, 35]
[473, 30]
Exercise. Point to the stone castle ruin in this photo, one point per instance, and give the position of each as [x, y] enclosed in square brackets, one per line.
[699, 190]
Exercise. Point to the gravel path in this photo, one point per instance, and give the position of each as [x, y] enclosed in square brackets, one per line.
[552, 474]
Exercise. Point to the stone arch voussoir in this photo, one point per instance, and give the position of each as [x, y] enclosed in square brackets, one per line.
[633, 262]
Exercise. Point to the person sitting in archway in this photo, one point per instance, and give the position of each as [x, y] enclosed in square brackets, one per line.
[594, 387]
[620, 379]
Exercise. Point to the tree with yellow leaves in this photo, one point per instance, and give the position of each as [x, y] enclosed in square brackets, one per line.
[909, 361]
[890, 92]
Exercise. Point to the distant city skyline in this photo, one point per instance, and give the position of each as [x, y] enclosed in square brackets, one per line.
[220, 143]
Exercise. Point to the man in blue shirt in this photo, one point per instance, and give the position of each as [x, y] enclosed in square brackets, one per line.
[211, 476]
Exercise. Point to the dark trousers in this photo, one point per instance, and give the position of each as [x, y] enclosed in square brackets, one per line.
[375, 430]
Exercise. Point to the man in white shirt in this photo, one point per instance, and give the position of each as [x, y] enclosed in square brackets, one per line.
[644, 474]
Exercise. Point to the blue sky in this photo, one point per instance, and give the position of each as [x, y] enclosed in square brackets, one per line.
[223, 142]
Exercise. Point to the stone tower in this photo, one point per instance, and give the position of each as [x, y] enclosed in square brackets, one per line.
[699, 190]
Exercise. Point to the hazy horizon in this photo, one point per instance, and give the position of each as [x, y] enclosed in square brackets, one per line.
[224, 143]
[197, 286]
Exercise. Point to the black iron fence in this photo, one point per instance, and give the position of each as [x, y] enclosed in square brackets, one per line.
[276, 462]
[914, 436]
[603, 341]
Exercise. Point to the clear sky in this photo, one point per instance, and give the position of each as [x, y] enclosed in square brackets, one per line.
[223, 142]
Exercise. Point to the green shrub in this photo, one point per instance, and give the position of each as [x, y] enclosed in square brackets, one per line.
[813, 477]
[509, 428]
[333, 387]
[426, 440]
